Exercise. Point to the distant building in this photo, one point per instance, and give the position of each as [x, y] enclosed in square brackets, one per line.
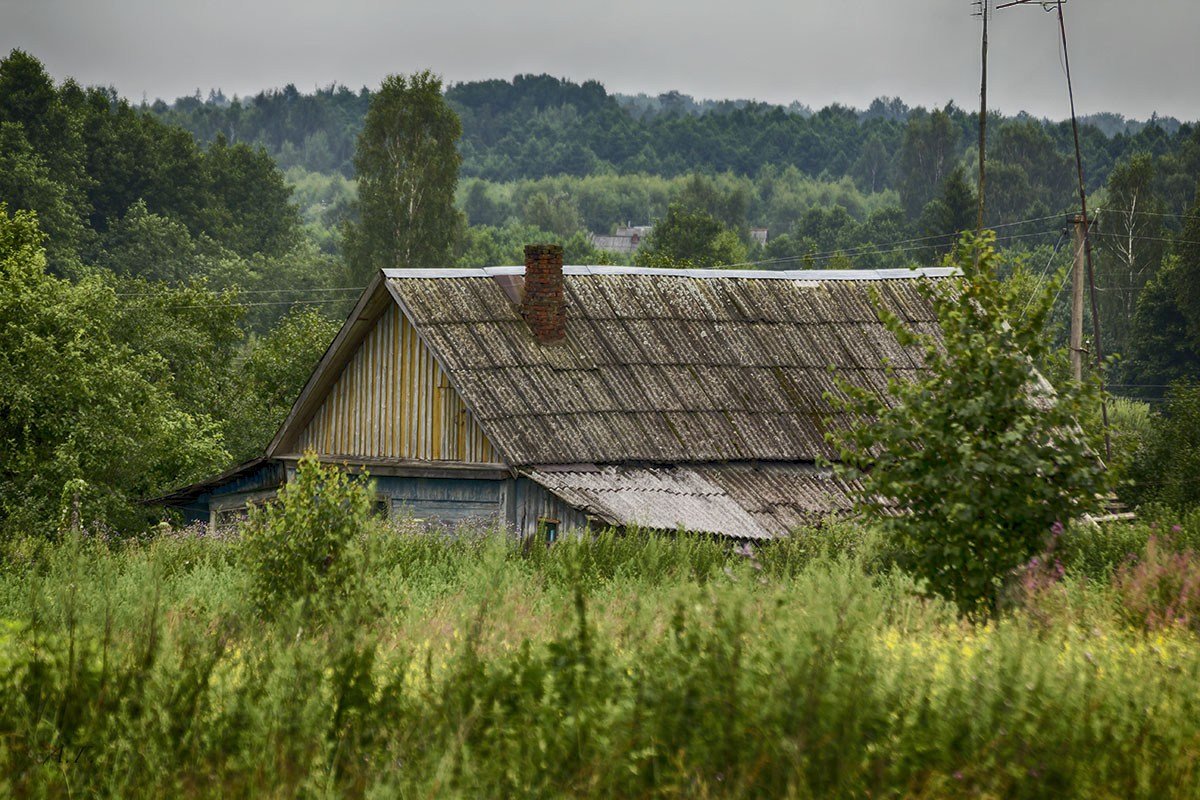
[627, 239]
[542, 399]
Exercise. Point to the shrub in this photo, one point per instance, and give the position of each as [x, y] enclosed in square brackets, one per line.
[1166, 468]
[302, 544]
[1131, 424]
[982, 456]
[1162, 589]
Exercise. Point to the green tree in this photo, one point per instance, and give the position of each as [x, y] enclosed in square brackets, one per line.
[557, 214]
[304, 545]
[407, 167]
[1163, 347]
[1164, 342]
[1131, 246]
[691, 239]
[275, 369]
[78, 404]
[873, 164]
[247, 207]
[29, 99]
[27, 184]
[954, 210]
[142, 244]
[927, 155]
[978, 452]
[479, 206]
[1167, 467]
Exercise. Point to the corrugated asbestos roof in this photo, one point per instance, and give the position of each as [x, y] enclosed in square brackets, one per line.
[743, 501]
[664, 366]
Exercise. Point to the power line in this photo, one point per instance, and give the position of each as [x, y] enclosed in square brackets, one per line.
[270, 303]
[1045, 273]
[867, 248]
[1057, 5]
[1145, 238]
[1148, 213]
[839, 253]
[309, 290]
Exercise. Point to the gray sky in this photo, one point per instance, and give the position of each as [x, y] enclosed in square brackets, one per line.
[1129, 56]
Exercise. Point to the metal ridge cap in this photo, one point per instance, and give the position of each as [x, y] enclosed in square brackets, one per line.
[816, 275]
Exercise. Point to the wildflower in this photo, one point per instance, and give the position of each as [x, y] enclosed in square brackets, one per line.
[1177, 528]
[745, 551]
[1057, 528]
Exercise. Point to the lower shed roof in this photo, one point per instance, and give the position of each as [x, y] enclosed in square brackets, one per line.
[743, 501]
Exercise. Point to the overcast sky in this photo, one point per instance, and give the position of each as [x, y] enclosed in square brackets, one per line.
[1129, 56]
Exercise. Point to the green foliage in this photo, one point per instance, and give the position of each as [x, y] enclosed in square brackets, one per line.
[1161, 590]
[955, 209]
[485, 246]
[270, 379]
[1131, 423]
[927, 156]
[80, 402]
[85, 159]
[981, 456]
[605, 667]
[407, 170]
[303, 544]
[1129, 246]
[1166, 469]
[691, 238]
[1165, 336]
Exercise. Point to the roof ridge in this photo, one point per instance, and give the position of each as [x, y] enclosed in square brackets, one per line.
[814, 275]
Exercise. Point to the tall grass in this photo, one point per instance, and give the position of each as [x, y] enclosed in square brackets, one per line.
[627, 666]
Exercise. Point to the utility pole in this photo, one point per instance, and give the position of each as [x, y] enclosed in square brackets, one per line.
[984, 12]
[1051, 5]
[1079, 231]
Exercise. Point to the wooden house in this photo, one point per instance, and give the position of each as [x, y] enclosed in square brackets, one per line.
[545, 398]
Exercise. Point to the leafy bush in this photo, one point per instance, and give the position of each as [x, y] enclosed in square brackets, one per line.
[982, 456]
[1097, 552]
[303, 545]
[1167, 467]
[1131, 424]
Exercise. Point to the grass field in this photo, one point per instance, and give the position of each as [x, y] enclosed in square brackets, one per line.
[614, 666]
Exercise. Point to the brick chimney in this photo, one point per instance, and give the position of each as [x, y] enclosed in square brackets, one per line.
[542, 306]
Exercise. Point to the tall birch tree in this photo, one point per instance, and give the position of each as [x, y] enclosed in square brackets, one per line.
[407, 164]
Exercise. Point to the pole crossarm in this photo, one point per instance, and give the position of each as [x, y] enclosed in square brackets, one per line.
[1047, 5]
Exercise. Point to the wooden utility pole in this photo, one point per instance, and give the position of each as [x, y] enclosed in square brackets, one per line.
[1079, 237]
[984, 12]
[1057, 5]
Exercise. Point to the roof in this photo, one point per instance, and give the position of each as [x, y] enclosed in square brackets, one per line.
[743, 501]
[665, 366]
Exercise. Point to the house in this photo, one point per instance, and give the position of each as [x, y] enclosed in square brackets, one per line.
[759, 236]
[545, 398]
[627, 239]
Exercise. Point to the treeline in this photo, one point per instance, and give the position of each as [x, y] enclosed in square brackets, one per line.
[538, 126]
[158, 302]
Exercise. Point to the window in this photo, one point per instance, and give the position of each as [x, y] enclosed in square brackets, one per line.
[548, 529]
[381, 507]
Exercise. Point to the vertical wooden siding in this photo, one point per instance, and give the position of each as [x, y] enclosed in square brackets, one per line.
[394, 401]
